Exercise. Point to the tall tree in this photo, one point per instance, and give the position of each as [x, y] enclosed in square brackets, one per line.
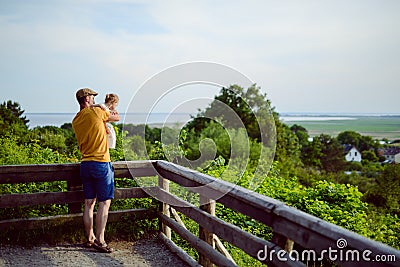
[301, 133]
[236, 108]
[12, 121]
[349, 138]
[386, 192]
[333, 153]
[388, 184]
[361, 142]
[312, 153]
[11, 112]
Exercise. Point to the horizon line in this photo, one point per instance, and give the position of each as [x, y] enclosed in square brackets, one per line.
[295, 113]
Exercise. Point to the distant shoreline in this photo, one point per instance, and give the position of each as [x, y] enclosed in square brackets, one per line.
[377, 126]
[305, 114]
[294, 114]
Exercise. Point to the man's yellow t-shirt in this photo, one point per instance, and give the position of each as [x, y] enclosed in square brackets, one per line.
[90, 132]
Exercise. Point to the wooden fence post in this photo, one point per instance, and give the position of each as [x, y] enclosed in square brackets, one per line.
[164, 184]
[207, 205]
[283, 242]
[74, 185]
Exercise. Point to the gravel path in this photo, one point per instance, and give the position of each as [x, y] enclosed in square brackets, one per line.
[142, 253]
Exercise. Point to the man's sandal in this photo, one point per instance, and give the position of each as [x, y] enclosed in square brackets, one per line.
[102, 247]
[88, 244]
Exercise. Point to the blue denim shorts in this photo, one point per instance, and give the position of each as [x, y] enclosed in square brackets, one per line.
[97, 179]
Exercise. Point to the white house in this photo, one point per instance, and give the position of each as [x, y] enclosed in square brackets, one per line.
[392, 154]
[397, 158]
[352, 153]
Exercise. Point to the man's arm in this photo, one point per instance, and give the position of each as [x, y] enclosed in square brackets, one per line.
[114, 116]
[102, 106]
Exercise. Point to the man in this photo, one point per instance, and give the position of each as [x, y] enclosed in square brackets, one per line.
[96, 171]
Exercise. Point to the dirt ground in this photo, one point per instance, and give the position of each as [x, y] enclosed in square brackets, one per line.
[142, 253]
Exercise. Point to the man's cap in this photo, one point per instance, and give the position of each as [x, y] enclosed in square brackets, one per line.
[84, 92]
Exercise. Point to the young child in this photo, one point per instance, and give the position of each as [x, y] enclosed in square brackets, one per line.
[110, 104]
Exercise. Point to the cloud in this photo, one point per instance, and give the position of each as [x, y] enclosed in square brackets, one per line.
[307, 56]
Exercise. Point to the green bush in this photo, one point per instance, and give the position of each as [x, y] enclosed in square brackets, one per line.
[13, 153]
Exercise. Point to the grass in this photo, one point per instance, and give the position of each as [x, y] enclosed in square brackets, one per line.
[378, 127]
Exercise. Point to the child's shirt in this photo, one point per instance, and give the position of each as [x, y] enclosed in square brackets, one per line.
[111, 136]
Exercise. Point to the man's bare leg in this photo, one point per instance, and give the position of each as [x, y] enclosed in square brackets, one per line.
[101, 219]
[88, 219]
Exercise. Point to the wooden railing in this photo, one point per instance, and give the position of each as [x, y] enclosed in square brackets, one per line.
[289, 225]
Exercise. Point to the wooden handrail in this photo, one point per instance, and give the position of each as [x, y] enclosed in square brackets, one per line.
[47, 198]
[13, 174]
[305, 230]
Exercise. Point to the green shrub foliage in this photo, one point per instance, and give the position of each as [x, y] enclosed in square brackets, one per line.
[306, 174]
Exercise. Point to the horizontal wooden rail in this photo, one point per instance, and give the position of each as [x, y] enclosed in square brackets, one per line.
[43, 222]
[43, 198]
[47, 198]
[38, 173]
[178, 251]
[13, 174]
[245, 201]
[200, 245]
[245, 241]
[304, 229]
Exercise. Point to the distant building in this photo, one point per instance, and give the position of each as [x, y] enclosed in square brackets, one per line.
[352, 153]
[392, 154]
[397, 158]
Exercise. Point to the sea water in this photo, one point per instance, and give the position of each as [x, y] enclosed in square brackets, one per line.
[58, 119]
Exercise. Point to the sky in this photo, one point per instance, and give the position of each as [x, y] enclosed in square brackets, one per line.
[331, 56]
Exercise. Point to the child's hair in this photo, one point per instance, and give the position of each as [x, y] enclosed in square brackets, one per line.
[111, 98]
